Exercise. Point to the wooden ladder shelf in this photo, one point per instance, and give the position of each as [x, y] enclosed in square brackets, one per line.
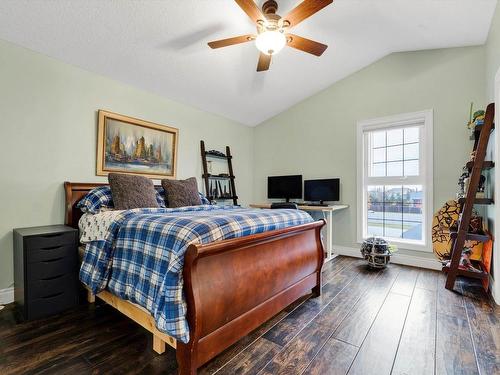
[216, 179]
[462, 234]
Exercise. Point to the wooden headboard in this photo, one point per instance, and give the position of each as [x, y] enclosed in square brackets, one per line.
[74, 192]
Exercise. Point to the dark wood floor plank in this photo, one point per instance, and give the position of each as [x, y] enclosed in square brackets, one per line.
[240, 346]
[299, 353]
[334, 359]
[67, 344]
[377, 353]
[454, 347]
[76, 365]
[427, 279]
[449, 302]
[484, 320]
[405, 283]
[454, 350]
[416, 349]
[330, 269]
[356, 325]
[286, 329]
[295, 358]
[252, 360]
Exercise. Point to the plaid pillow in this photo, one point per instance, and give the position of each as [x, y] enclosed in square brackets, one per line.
[100, 197]
[97, 198]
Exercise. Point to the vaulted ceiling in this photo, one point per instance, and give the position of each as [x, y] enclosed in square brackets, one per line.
[160, 46]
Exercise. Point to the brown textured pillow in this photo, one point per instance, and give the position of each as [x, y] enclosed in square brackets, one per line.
[181, 193]
[130, 191]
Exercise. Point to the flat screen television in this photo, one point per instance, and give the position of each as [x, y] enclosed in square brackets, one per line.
[322, 190]
[284, 187]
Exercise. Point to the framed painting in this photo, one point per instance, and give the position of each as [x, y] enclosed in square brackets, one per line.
[129, 145]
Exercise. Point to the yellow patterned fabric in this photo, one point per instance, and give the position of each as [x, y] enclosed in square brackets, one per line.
[445, 218]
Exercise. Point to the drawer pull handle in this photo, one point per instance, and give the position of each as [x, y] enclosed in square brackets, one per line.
[52, 295]
[51, 247]
[53, 278]
[51, 235]
[52, 260]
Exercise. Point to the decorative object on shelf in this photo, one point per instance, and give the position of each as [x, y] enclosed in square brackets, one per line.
[476, 118]
[462, 183]
[129, 145]
[377, 252]
[480, 188]
[472, 156]
[216, 153]
[466, 185]
[209, 166]
[476, 224]
[465, 261]
[486, 260]
[218, 186]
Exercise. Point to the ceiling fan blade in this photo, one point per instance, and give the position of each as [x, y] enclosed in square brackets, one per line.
[264, 62]
[304, 10]
[231, 41]
[251, 9]
[306, 45]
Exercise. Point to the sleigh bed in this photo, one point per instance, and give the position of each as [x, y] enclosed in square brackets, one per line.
[257, 276]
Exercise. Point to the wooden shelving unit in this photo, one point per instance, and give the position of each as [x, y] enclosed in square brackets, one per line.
[482, 237]
[481, 201]
[460, 234]
[209, 178]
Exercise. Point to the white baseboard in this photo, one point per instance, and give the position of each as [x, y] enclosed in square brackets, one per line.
[407, 260]
[6, 296]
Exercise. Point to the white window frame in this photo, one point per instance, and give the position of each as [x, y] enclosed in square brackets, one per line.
[426, 154]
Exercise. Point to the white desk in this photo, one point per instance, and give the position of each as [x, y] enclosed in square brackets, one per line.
[327, 212]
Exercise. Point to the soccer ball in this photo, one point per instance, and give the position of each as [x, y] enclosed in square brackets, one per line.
[376, 251]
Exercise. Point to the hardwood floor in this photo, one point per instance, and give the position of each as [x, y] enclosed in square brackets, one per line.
[400, 321]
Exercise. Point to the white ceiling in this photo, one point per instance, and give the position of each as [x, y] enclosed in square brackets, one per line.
[161, 46]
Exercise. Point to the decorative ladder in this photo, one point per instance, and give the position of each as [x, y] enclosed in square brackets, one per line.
[207, 177]
[467, 204]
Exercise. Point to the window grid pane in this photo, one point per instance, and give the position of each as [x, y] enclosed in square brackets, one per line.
[395, 153]
[395, 211]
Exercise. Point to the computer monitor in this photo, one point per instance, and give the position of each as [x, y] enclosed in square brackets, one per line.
[322, 190]
[284, 187]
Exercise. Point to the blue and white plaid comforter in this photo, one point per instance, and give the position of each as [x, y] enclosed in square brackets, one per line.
[142, 257]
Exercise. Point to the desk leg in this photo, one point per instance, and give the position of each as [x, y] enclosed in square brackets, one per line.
[328, 215]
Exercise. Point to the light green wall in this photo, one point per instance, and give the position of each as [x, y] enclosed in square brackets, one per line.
[317, 137]
[48, 120]
[492, 52]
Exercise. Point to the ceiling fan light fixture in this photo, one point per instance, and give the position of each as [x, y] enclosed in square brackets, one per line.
[270, 42]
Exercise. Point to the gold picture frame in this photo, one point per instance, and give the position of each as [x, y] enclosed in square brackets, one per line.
[134, 146]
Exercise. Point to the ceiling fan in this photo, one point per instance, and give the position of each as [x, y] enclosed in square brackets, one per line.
[272, 30]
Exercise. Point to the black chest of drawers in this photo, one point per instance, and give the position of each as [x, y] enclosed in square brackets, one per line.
[45, 270]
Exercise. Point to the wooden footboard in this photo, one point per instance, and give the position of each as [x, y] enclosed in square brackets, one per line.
[234, 286]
